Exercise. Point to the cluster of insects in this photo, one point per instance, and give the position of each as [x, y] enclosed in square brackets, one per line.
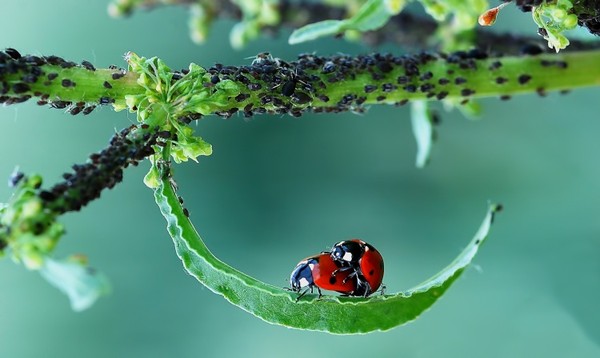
[351, 267]
[103, 169]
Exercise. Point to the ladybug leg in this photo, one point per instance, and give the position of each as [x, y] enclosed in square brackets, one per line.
[320, 294]
[341, 269]
[368, 290]
[354, 273]
[300, 295]
[362, 281]
[305, 292]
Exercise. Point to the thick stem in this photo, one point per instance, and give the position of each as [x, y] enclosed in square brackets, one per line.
[328, 84]
[62, 84]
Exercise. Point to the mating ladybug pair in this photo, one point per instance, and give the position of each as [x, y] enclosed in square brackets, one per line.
[352, 267]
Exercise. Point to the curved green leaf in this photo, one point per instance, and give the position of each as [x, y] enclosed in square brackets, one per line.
[333, 314]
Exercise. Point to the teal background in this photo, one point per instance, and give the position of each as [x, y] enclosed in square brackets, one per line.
[278, 189]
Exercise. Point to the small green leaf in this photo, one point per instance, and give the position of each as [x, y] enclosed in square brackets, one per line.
[371, 16]
[316, 30]
[152, 178]
[333, 314]
[81, 283]
[423, 131]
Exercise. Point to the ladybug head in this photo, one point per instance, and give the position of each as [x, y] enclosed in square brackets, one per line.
[349, 251]
[302, 275]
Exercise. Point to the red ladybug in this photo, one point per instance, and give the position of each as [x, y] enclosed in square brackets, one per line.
[318, 271]
[362, 260]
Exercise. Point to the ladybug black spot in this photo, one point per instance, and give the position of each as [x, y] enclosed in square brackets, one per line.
[332, 280]
[371, 272]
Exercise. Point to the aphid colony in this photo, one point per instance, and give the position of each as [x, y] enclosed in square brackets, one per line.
[31, 71]
[103, 170]
[351, 267]
[314, 83]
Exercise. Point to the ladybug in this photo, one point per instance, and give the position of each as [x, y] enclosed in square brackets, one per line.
[322, 272]
[362, 261]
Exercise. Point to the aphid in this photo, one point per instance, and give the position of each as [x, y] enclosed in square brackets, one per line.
[441, 95]
[388, 87]
[328, 67]
[20, 87]
[254, 86]
[323, 98]
[15, 178]
[495, 65]
[261, 58]
[88, 66]
[106, 100]
[301, 98]
[467, 92]
[88, 110]
[403, 80]
[410, 88]
[523, 79]
[67, 64]
[427, 87]
[370, 88]
[426, 76]
[75, 110]
[60, 104]
[288, 88]
[14, 54]
[67, 83]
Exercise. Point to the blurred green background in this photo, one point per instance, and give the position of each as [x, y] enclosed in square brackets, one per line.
[278, 189]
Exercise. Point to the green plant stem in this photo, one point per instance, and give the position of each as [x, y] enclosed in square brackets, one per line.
[340, 89]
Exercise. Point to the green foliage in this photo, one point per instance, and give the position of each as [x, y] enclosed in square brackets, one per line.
[256, 14]
[372, 15]
[29, 231]
[554, 19]
[81, 283]
[333, 314]
[465, 12]
[165, 101]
